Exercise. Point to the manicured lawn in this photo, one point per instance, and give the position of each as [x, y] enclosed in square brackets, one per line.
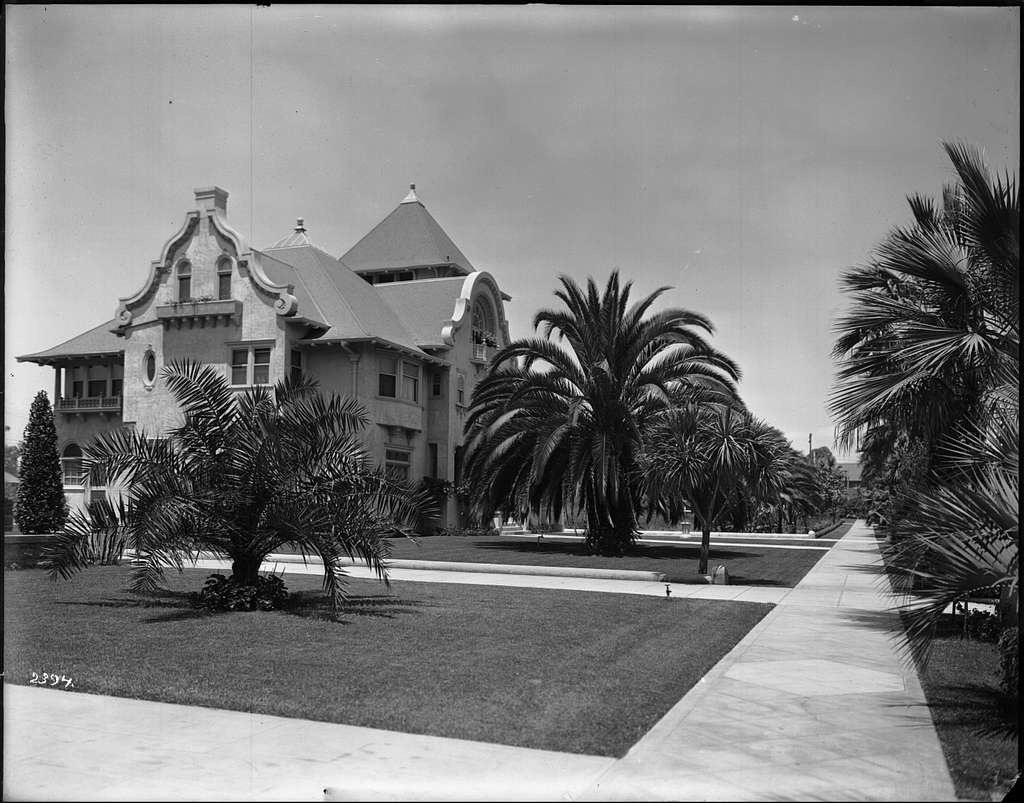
[747, 565]
[961, 682]
[571, 671]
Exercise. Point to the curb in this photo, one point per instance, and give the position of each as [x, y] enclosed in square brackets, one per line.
[488, 568]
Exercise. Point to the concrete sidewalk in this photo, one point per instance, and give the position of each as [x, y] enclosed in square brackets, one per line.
[557, 580]
[812, 703]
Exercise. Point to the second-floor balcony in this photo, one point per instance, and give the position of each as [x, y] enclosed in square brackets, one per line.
[89, 404]
[199, 310]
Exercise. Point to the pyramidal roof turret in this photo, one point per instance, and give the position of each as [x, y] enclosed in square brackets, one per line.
[296, 238]
[407, 238]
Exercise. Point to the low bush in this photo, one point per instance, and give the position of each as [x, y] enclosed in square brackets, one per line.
[466, 532]
[222, 593]
[983, 626]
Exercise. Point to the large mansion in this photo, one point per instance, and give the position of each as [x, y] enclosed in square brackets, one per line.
[402, 321]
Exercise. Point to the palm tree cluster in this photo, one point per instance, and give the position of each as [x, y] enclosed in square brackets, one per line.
[611, 412]
[245, 475]
[723, 460]
[928, 383]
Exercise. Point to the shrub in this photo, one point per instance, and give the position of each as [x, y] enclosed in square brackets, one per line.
[41, 506]
[466, 532]
[1009, 661]
[983, 626]
[222, 593]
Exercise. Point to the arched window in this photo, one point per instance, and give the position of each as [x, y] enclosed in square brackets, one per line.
[483, 329]
[224, 278]
[184, 280]
[71, 463]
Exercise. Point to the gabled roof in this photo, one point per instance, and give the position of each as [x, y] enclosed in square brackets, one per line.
[407, 238]
[98, 341]
[424, 306]
[351, 308]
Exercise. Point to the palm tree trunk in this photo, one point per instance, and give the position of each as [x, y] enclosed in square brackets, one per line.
[245, 569]
[705, 547]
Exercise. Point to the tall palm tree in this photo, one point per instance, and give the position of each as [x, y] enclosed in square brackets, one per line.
[244, 475]
[560, 417]
[934, 326]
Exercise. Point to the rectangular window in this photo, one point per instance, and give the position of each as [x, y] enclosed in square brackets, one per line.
[240, 366]
[433, 459]
[97, 388]
[296, 365]
[74, 472]
[223, 286]
[410, 381]
[184, 288]
[387, 379]
[435, 385]
[261, 366]
[396, 463]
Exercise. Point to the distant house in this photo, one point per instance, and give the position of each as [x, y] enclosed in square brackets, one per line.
[402, 321]
[852, 473]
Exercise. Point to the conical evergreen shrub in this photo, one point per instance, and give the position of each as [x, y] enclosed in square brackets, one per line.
[41, 506]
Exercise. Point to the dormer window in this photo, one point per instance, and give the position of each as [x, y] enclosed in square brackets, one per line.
[224, 279]
[184, 280]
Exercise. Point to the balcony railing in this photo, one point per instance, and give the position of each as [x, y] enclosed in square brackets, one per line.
[92, 404]
[201, 310]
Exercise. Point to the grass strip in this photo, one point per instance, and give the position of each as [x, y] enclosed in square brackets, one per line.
[571, 671]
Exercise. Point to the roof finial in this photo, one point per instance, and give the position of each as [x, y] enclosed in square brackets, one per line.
[298, 225]
[411, 197]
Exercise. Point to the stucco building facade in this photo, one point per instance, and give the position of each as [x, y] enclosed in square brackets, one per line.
[402, 321]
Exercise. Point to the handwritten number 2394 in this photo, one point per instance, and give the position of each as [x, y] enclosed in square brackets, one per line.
[51, 680]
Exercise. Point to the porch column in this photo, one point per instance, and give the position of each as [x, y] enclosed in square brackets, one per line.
[56, 383]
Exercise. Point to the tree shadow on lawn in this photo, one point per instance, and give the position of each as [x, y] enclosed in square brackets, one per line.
[315, 605]
[304, 604]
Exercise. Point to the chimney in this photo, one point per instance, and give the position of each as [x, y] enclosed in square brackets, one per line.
[212, 199]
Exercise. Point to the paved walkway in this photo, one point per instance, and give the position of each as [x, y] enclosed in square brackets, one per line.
[812, 704]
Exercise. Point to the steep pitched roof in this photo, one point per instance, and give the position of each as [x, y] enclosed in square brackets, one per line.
[350, 307]
[406, 238]
[98, 340]
[424, 306]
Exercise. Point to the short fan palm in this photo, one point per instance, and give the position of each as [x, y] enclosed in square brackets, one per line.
[559, 419]
[244, 475]
[933, 332]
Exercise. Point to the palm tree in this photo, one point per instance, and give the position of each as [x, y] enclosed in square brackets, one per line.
[929, 373]
[559, 419]
[706, 453]
[962, 538]
[934, 327]
[244, 475]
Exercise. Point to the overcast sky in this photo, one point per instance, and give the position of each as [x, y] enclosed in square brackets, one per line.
[744, 156]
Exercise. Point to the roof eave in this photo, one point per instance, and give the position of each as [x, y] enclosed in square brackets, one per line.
[50, 359]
